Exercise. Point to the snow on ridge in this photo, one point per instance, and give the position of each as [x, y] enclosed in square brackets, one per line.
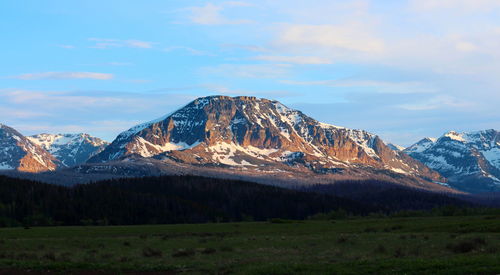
[455, 136]
[54, 142]
[5, 166]
[198, 103]
[421, 145]
[470, 137]
[492, 156]
[293, 117]
[395, 147]
[141, 147]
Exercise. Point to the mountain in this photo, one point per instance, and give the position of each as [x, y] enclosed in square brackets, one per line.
[395, 147]
[70, 149]
[470, 161]
[420, 146]
[19, 153]
[263, 136]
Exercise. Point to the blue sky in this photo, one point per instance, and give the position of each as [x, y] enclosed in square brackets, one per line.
[401, 69]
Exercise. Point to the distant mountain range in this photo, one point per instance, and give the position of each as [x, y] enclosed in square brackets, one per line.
[470, 161]
[45, 152]
[70, 149]
[18, 152]
[260, 140]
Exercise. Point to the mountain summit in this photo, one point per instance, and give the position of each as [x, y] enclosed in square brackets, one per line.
[471, 161]
[255, 133]
[18, 152]
[70, 149]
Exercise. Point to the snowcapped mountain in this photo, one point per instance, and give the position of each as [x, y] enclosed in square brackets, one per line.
[70, 149]
[252, 133]
[471, 161]
[395, 147]
[19, 153]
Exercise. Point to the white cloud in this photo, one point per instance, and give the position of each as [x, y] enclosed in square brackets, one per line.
[83, 111]
[66, 46]
[249, 70]
[115, 63]
[64, 75]
[351, 37]
[437, 102]
[19, 113]
[223, 90]
[139, 44]
[211, 14]
[449, 5]
[59, 99]
[187, 49]
[465, 46]
[251, 48]
[105, 43]
[313, 60]
[389, 87]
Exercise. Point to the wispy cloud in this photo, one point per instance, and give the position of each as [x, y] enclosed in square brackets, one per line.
[66, 46]
[250, 48]
[303, 60]
[437, 102]
[189, 50]
[211, 14]
[105, 43]
[83, 111]
[348, 36]
[392, 87]
[19, 113]
[450, 5]
[249, 70]
[223, 90]
[64, 75]
[114, 63]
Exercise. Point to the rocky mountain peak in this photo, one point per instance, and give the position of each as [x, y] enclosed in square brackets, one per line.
[471, 160]
[18, 152]
[249, 132]
[70, 149]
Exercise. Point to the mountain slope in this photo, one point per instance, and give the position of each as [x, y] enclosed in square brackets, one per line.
[19, 153]
[259, 134]
[395, 147]
[471, 161]
[70, 149]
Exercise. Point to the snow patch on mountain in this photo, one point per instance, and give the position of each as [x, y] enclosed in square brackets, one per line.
[245, 131]
[395, 147]
[69, 149]
[455, 136]
[493, 156]
[471, 156]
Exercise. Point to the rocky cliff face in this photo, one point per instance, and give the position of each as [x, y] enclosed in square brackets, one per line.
[19, 153]
[471, 161]
[249, 132]
[70, 149]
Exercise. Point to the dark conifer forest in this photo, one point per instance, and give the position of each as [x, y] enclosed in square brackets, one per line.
[189, 199]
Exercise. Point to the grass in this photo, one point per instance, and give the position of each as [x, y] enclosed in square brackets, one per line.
[424, 245]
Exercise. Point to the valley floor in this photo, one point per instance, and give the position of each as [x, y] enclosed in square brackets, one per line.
[424, 245]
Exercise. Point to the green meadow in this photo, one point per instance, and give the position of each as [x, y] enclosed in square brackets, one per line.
[418, 245]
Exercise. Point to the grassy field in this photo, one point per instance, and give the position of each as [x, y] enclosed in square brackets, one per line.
[424, 245]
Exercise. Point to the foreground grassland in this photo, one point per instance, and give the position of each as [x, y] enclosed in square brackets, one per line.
[424, 245]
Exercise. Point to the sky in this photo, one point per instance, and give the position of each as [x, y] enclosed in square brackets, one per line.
[404, 69]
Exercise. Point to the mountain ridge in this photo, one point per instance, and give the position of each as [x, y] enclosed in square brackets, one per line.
[470, 160]
[18, 152]
[251, 133]
[70, 149]
[45, 152]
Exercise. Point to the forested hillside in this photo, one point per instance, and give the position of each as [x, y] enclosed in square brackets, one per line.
[168, 199]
